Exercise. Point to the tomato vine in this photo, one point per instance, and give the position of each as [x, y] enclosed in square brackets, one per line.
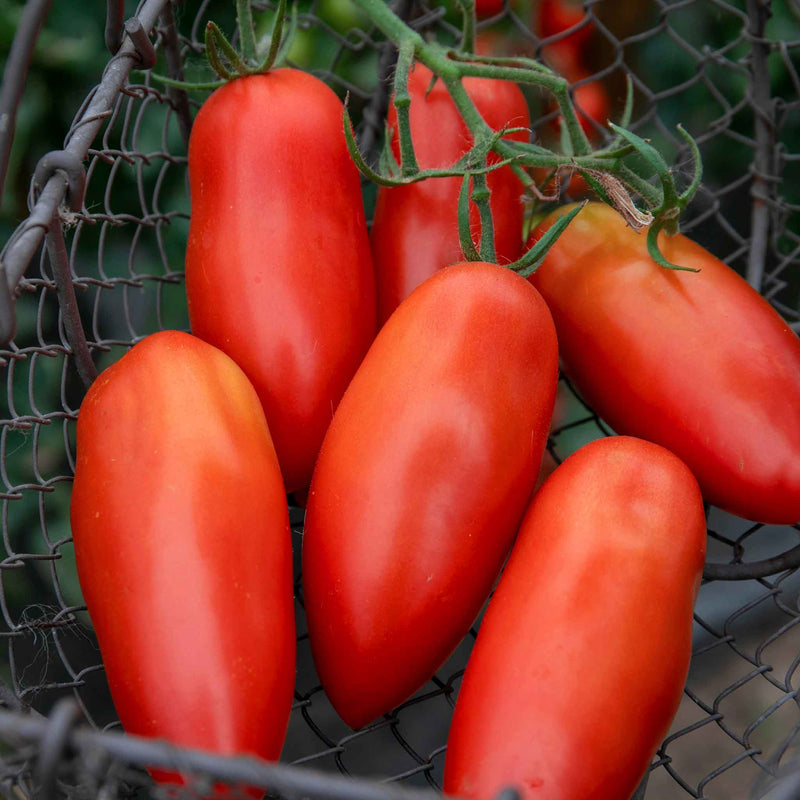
[606, 169]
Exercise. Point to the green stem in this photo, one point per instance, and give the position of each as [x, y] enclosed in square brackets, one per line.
[247, 33]
[655, 253]
[649, 193]
[480, 196]
[221, 43]
[436, 59]
[606, 165]
[275, 39]
[212, 54]
[389, 24]
[529, 262]
[503, 72]
[464, 232]
[402, 104]
[577, 137]
[187, 85]
[500, 61]
[468, 28]
[687, 195]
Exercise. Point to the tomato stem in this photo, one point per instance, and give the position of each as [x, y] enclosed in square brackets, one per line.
[196, 86]
[691, 190]
[467, 8]
[240, 66]
[627, 112]
[636, 183]
[501, 61]
[247, 34]
[464, 230]
[605, 168]
[213, 55]
[480, 196]
[656, 254]
[529, 262]
[402, 103]
[391, 174]
[276, 37]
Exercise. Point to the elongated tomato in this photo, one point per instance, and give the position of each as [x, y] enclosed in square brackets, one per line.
[697, 362]
[278, 268]
[422, 480]
[415, 227]
[581, 658]
[182, 544]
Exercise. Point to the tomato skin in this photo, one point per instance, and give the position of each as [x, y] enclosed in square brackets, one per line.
[415, 227]
[697, 362]
[554, 17]
[278, 268]
[488, 8]
[183, 549]
[593, 106]
[581, 657]
[421, 483]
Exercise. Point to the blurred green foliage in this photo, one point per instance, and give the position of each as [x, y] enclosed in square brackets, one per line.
[67, 61]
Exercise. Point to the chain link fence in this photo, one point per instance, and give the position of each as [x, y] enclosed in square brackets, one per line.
[114, 273]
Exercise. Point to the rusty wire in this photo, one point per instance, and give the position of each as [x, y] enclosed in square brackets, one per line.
[739, 724]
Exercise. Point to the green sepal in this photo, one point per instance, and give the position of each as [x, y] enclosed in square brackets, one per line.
[645, 149]
[614, 152]
[213, 56]
[434, 78]
[247, 35]
[655, 160]
[275, 38]
[387, 163]
[220, 43]
[464, 232]
[288, 39]
[596, 187]
[529, 262]
[656, 254]
[481, 195]
[355, 153]
[686, 197]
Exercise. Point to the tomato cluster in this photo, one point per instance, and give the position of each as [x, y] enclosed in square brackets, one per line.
[419, 447]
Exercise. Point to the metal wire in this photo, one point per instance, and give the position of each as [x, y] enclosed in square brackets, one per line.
[734, 82]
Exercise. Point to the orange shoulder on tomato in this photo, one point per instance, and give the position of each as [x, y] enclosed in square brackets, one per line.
[697, 362]
[183, 550]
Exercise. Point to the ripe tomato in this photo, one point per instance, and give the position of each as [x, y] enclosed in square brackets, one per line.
[183, 550]
[553, 17]
[488, 8]
[583, 652]
[415, 227]
[593, 106]
[422, 480]
[278, 269]
[698, 362]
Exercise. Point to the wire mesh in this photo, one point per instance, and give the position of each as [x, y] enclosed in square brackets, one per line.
[723, 68]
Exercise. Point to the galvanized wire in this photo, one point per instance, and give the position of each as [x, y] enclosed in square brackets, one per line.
[736, 86]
